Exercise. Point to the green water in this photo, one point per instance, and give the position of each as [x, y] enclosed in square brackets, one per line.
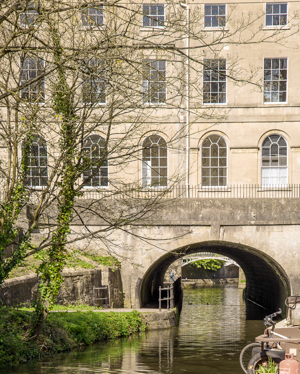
[211, 334]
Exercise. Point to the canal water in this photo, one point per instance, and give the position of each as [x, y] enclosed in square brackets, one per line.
[212, 331]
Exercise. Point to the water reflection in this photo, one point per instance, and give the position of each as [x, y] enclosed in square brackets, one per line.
[211, 333]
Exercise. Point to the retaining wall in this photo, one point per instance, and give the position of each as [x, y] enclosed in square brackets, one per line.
[192, 272]
[159, 320]
[199, 283]
[77, 287]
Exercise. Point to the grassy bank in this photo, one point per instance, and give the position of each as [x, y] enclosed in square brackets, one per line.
[63, 332]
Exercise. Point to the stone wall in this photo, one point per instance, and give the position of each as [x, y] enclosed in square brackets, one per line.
[19, 290]
[200, 283]
[78, 287]
[159, 320]
[192, 272]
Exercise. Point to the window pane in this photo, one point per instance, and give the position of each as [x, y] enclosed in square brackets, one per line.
[214, 21]
[205, 152]
[206, 172]
[214, 161]
[269, 20]
[222, 162]
[207, 10]
[205, 181]
[282, 161]
[283, 8]
[214, 181]
[265, 161]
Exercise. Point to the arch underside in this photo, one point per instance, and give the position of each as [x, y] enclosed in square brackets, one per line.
[266, 282]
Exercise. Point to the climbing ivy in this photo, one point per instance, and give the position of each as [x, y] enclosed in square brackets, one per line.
[53, 264]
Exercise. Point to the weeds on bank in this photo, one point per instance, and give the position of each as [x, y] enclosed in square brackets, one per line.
[76, 260]
[62, 332]
[64, 308]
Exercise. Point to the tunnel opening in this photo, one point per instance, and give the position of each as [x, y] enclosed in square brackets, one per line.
[267, 284]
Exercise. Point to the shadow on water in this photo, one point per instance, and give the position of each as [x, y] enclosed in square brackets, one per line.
[211, 334]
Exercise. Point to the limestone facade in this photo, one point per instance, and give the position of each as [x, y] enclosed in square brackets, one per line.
[213, 72]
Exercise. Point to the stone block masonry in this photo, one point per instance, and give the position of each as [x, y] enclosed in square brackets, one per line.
[77, 288]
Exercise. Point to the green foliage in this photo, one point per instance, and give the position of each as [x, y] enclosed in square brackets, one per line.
[268, 367]
[78, 308]
[86, 328]
[51, 268]
[78, 263]
[210, 264]
[32, 263]
[13, 347]
[62, 332]
[104, 260]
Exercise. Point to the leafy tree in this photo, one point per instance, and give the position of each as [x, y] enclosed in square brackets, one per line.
[66, 77]
[209, 264]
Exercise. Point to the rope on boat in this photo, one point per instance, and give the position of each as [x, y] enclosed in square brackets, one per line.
[251, 301]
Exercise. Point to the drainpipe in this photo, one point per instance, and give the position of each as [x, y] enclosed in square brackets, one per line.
[185, 6]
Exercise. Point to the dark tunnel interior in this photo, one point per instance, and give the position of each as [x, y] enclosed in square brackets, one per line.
[266, 282]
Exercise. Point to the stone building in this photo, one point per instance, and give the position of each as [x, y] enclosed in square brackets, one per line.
[215, 92]
[202, 97]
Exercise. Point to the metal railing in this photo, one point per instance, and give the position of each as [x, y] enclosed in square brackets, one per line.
[169, 298]
[251, 191]
[206, 256]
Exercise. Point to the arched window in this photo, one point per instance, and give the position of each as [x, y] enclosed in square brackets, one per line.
[95, 158]
[274, 169]
[37, 162]
[214, 161]
[155, 162]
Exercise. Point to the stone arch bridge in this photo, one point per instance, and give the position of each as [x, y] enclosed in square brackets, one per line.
[262, 235]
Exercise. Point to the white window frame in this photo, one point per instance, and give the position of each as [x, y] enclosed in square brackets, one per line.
[85, 14]
[147, 165]
[99, 170]
[277, 168]
[30, 168]
[217, 16]
[275, 82]
[25, 71]
[153, 18]
[211, 82]
[147, 83]
[98, 82]
[212, 166]
[272, 15]
[29, 10]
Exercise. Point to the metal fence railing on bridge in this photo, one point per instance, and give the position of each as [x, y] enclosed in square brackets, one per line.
[253, 191]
